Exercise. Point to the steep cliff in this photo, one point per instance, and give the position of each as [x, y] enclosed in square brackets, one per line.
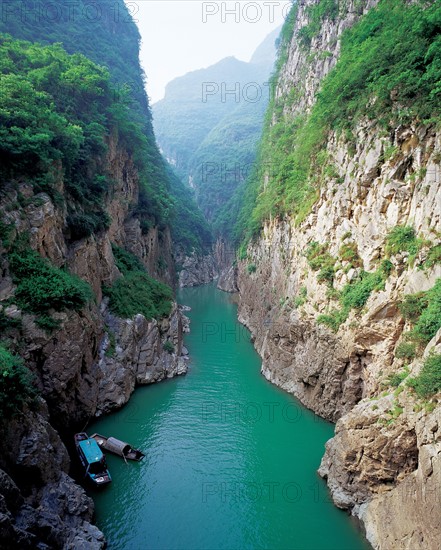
[87, 266]
[345, 254]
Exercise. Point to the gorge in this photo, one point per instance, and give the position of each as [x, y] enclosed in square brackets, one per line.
[331, 242]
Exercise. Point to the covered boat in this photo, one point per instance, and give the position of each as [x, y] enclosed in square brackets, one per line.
[118, 447]
[92, 459]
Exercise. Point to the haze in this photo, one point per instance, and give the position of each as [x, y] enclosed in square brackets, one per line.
[179, 36]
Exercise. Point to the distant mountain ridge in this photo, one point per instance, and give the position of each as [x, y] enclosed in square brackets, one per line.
[209, 123]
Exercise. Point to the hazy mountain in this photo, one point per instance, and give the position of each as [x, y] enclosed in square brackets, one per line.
[209, 123]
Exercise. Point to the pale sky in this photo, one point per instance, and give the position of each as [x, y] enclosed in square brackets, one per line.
[179, 36]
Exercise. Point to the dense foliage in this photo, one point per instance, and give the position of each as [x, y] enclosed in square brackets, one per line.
[423, 310]
[389, 70]
[136, 292]
[60, 107]
[42, 286]
[106, 33]
[428, 382]
[16, 384]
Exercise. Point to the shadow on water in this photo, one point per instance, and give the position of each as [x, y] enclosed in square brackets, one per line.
[231, 459]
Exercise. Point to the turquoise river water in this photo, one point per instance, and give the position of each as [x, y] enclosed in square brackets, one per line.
[231, 459]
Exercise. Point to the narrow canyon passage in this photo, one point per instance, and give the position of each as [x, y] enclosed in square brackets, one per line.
[231, 460]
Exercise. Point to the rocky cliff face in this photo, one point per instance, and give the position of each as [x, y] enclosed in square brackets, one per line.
[384, 462]
[200, 269]
[86, 367]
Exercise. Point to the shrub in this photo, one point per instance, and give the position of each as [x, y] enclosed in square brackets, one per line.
[83, 225]
[428, 382]
[405, 350]
[126, 262]
[413, 305]
[317, 13]
[349, 253]
[301, 298]
[326, 275]
[424, 310]
[334, 319]
[433, 257]
[169, 347]
[395, 379]
[16, 384]
[42, 286]
[47, 323]
[7, 322]
[356, 294]
[386, 268]
[403, 239]
[318, 256]
[137, 292]
[251, 268]
[5, 232]
[353, 295]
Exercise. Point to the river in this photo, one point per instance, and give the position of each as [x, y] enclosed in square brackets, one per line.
[231, 459]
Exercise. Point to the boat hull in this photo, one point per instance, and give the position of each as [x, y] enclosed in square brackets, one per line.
[118, 447]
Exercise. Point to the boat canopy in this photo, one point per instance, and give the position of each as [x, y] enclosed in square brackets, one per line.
[91, 451]
[116, 446]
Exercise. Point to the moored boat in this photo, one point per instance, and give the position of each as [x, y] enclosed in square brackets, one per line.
[118, 447]
[92, 459]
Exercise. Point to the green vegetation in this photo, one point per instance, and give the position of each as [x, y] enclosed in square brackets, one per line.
[60, 107]
[349, 253]
[357, 293]
[126, 261]
[318, 256]
[317, 13]
[333, 319]
[301, 297]
[353, 296]
[47, 323]
[188, 226]
[433, 256]
[251, 268]
[423, 310]
[428, 382]
[137, 292]
[42, 286]
[16, 384]
[169, 347]
[389, 71]
[395, 379]
[66, 108]
[111, 349]
[403, 239]
[405, 350]
[320, 260]
[220, 150]
[8, 323]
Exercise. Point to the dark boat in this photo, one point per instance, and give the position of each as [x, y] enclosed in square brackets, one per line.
[117, 447]
[92, 459]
